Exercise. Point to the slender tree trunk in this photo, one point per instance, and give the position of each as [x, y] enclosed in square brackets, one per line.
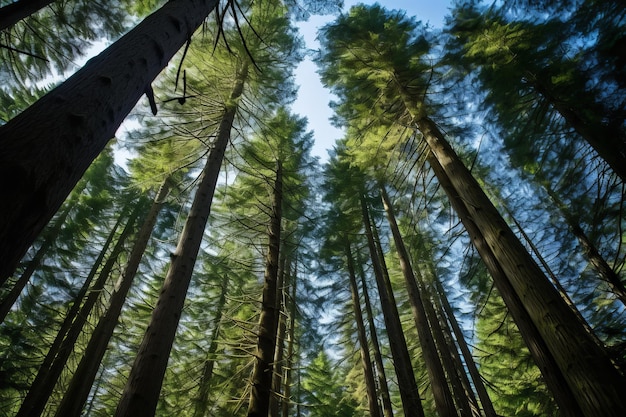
[378, 357]
[202, 399]
[290, 345]
[607, 273]
[411, 401]
[281, 317]
[477, 380]
[439, 385]
[33, 264]
[16, 11]
[78, 390]
[56, 359]
[141, 392]
[46, 149]
[263, 368]
[366, 360]
[553, 376]
[597, 385]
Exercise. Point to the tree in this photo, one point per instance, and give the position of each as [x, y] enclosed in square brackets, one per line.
[92, 104]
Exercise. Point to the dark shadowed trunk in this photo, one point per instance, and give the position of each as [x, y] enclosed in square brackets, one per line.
[16, 11]
[263, 367]
[46, 149]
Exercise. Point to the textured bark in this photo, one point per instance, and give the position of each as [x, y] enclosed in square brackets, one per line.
[263, 366]
[78, 390]
[544, 360]
[477, 381]
[598, 387]
[378, 357]
[63, 346]
[46, 149]
[16, 11]
[409, 394]
[202, 399]
[366, 361]
[291, 342]
[281, 317]
[438, 383]
[142, 389]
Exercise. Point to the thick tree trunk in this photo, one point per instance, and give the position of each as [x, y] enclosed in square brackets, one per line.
[539, 350]
[439, 385]
[45, 150]
[366, 361]
[263, 367]
[202, 399]
[281, 317]
[597, 385]
[16, 11]
[142, 389]
[63, 346]
[409, 394]
[378, 357]
[78, 390]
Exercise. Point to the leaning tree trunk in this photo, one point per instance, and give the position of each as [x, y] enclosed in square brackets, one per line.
[80, 385]
[537, 346]
[54, 363]
[444, 402]
[378, 357]
[45, 150]
[21, 9]
[598, 387]
[366, 360]
[409, 394]
[202, 400]
[263, 367]
[142, 389]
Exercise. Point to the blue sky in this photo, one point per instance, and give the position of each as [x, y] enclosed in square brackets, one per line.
[313, 99]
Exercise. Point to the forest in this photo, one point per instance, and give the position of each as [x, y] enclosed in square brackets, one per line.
[169, 246]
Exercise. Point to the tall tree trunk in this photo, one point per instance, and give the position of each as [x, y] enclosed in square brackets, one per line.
[544, 360]
[33, 264]
[597, 385]
[378, 357]
[78, 390]
[290, 345]
[56, 359]
[263, 368]
[202, 399]
[600, 264]
[409, 394]
[281, 317]
[46, 149]
[439, 385]
[366, 361]
[16, 11]
[477, 381]
[142, 389]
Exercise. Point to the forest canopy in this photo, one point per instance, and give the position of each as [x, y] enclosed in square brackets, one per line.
[170, 246]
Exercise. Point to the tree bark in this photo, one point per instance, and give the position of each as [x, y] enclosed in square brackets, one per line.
[290, 345]
[45, 150]
[78, 390]
[63, 346]
[409, 394]
[142, 389]
[202, 399]
[366, 361]
[598, 387]
[378, 357]
[16, 11]
[439, 385]
[263, 367]
[544, 360]
[281, 317]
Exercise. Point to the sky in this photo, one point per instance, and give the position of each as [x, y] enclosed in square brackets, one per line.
[313, 98]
